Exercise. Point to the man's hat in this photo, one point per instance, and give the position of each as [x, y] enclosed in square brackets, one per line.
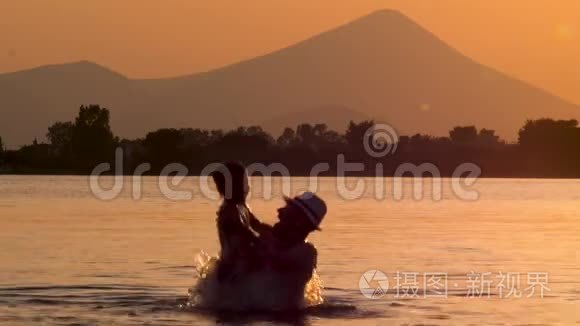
[313, 207]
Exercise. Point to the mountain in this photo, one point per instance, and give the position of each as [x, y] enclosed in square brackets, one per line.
[382, 65]
[31, 100]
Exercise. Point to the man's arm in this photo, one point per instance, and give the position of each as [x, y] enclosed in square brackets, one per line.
[238, 230]
[258, 225]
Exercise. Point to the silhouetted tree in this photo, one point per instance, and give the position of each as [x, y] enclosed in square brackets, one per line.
[320, 129]
[196, 137]
[488, 137]
[305, 134]
[60, 136]
[419, 142]
[163, 146]
[325, 137]
[37, 157]
[92, 140]
[551, 147]
[463, 134]
[1, 151]
[546, 148]
[549, 134]
[216, 135]
[243, 144]
[287, 138]
[133, 154]
[331, 137]
[355, 132]
[195, 143]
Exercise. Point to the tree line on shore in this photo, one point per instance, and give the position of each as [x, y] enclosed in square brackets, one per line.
[545, 148]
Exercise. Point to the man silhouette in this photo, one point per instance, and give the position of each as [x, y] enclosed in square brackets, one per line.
[287, 251]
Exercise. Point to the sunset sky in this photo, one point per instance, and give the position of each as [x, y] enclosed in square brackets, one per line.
[534, 40]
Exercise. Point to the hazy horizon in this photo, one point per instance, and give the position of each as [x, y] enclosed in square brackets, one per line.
[535, 42]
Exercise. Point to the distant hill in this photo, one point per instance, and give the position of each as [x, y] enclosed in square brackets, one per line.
[382, 65]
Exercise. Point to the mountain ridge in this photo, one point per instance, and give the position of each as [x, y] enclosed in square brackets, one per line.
[382, 65]
[83, 65]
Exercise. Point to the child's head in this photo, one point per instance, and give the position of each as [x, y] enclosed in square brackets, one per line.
[231, 181]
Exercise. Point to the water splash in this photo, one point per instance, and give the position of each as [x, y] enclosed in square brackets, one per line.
[258, 291]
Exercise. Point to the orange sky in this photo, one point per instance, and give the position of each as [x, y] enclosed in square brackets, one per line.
[535, 40]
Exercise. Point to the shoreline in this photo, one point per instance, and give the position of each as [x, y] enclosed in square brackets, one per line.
[301, 175]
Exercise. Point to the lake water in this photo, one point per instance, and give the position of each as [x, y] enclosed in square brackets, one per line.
[68, 258]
